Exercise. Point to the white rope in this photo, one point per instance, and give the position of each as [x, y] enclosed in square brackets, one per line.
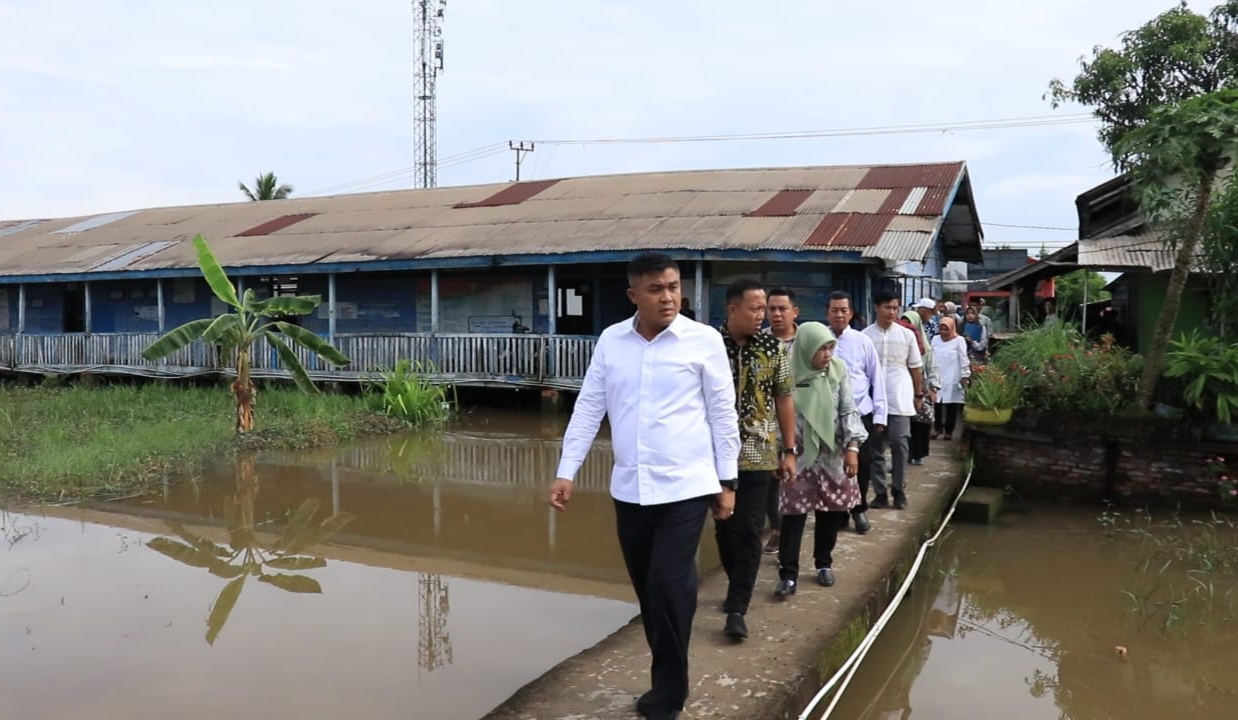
[852, 665]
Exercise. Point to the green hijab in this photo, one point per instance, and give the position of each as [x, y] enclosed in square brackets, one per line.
[816, 391]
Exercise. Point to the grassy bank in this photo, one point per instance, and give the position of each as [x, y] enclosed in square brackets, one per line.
[76, 442]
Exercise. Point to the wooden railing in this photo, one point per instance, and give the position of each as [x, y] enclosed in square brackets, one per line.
[519, 359]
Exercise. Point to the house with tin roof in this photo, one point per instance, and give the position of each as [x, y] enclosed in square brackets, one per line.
[505, 283]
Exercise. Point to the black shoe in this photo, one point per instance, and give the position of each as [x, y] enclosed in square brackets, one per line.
[735, 627]
[785, 588]
[881, 501]
[648, 703]
[900, 501]
[825, 577]
[862, 525]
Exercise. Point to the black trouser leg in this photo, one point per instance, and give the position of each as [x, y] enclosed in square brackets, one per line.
[952, 411]
[789, 540]
[825, 537]
[659, 544]
[865, 475]
[771, 510]
[918, 446]
[939, 414]
[739, 539]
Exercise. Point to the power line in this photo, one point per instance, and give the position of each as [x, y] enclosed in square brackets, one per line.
[966, 125]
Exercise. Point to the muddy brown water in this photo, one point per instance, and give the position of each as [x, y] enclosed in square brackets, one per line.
[1031, 620]
[451, 587]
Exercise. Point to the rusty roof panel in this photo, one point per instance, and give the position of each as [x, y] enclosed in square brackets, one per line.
[852, 230]
[862, 201]
[513, 194]
[784, 203]
[890, 177]
[275, 225]
[895, 200]
[934, 202]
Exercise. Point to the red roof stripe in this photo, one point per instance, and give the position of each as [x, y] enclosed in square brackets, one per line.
[275, 225]
[848, 230]
[934, 201]
[513, 194]
[783, 204]
[894, 201]
[908, 176]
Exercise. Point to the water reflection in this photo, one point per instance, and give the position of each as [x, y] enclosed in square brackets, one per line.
[246, 556]
[1032, 620]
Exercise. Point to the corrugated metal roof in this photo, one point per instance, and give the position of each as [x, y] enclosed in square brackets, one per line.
[1145, 251]
[876, 210]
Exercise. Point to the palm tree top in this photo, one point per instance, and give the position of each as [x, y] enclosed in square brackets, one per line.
[266, 187]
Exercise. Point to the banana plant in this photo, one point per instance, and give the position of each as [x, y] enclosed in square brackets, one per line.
[245, 556]
[237, 330]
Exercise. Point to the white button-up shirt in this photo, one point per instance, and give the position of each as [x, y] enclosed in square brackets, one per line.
[671, 404]
[868, 379]
[899, 352]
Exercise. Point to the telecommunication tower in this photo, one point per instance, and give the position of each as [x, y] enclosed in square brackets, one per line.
[429, 21]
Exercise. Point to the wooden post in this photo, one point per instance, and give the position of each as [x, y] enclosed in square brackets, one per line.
[89, 309]
[699, 291]
[434, 301]
[552, 315]
[163, 310]
[21, 308]
[331, 308]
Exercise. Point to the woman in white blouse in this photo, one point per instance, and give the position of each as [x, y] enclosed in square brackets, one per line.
[954, 370]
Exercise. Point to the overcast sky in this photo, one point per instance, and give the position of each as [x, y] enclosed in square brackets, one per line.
[165, 105]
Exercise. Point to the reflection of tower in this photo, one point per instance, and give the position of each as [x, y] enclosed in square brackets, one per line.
[433, 644]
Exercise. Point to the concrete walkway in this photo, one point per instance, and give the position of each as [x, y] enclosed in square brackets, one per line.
[793, 646]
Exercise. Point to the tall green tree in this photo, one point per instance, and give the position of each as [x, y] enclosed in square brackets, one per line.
[1069, 290]
[266, 187]
[1162, 101]
[237, 330]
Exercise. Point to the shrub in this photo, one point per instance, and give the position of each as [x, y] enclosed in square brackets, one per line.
[1063, 372]
[992, 389]
[1209, 368]
[406, 393]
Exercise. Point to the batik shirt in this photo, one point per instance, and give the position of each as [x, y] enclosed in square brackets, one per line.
[762, 373]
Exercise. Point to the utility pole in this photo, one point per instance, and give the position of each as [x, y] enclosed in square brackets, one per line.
[521, 150]
[429, 19]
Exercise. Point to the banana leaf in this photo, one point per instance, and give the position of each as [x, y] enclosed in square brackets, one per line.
[214, 274]
[176, 339]
[313, 343]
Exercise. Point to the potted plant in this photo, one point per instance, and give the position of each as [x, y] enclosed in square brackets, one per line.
[991, 397]
[1208, 368]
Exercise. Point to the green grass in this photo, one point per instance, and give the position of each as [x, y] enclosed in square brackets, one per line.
[73, 442]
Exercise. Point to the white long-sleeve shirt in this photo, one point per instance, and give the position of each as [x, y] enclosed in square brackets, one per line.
[671, 404]
[868, 379]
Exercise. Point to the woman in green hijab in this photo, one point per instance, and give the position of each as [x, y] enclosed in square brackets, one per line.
[828, 434]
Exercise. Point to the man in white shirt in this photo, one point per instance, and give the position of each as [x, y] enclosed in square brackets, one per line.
[868, 384]
[665, 384]
[899, 352]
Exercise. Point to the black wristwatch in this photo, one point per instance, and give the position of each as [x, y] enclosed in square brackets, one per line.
[794, 452]
[731, 485]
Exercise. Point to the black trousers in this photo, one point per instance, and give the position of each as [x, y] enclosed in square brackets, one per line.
[823, 541]
[659, 544]
[865, 475]
[739, 539]
[772, 515]
[918, 445]
[946, 417]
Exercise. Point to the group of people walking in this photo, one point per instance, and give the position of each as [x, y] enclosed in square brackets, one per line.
[747, 423]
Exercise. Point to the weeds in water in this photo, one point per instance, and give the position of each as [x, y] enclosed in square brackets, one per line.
[68, 442]
[407, 393]
[1184, 571]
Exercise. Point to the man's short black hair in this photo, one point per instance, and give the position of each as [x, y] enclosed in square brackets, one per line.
[840, 295]
[736, 290]
[785, 292]
[885, 296]
[651, 263]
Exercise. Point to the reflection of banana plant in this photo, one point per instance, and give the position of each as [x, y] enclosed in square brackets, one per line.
[245, 556]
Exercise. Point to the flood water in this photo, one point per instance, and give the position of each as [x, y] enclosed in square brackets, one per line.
[1051, 616]
[450, 586]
